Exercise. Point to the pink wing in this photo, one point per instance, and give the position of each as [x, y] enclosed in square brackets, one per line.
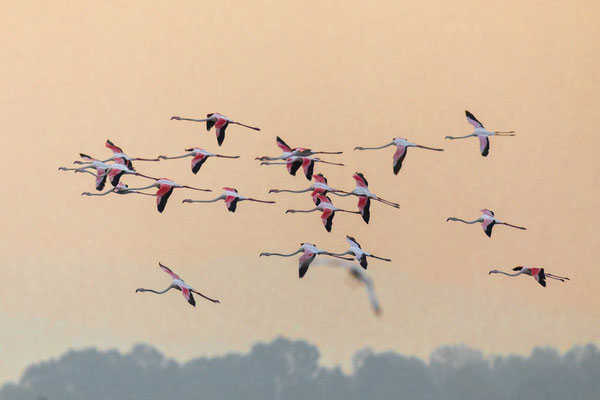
[487, 212]
[472, 120]
[327, 218]
[360, 180]
[306, 256]
[168, 271]
[283, 145]
[484, 145]
[229, 199]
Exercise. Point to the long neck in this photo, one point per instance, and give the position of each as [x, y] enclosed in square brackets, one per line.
[460, 137]
[463, 221]
[290, 191]
[97, 194]
[282, 255]
[154, 291]
[172, 158]
[507, 274]
[205, 201]
[374, 148]
[303, 211]
[194, 120]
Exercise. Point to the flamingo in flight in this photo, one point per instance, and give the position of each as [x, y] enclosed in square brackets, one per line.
[165, 189]
[309, 252]
[327, 209]
[364, 196]
[361, 276]
[118, 156]
[482, 133]
[293, 163]
[231, 198]
[538, 273]
[100, 167]
[487, 220]
[199, 157]
[402, 146]
[296, 151]
[219, 121]
[359, 253]
[121, 188]
[180, 285]
[319, 187]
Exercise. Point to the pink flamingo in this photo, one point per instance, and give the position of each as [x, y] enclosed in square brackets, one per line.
[165, 189]
[359, 253]
[487, 220]
[219, 121]
[231, 198]
[319, 187]
[121, 188]
[180, 285]
[309, 252]
[199, 157]
[327, 209]
[118, 156]
[296, 151]
[402, 146]
[293, 163]
[538, 273]
[364, 196]
[482, 133]
[99, 166]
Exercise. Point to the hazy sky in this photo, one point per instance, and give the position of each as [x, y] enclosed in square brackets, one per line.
[326, 75]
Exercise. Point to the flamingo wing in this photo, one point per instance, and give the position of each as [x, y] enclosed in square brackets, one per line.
[363, 260]
[187, 294]
[372, 296]
[364, 206]
[209, 122]
[162, 195]
[114, 175]
[305, 259]
[168, 270]
[539, 275]
[197, 162]
[308, 166]
[100, 178]
[220, 127]
[484, 145]
[472, 120]
[327, 218]
[293, 165]
[231, 202]
[487, 226]
[283, 145]
[360, 180]
[398, 158]
[112, 147]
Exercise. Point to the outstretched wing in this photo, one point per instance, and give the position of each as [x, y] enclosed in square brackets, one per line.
[398, 158]
[484, 145]
[472, 120]
[220, 127]
[327, 218]
[168, 271]
[197, 162]
[283, 145]
[187, 294]
[305, 259]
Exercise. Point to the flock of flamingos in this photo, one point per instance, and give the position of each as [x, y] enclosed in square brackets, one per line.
[293, 158]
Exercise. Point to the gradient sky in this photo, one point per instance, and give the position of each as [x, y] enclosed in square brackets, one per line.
[326, 75]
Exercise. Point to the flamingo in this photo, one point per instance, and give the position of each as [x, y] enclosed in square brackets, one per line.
[328, 211]
[487, 220]
[361, 276]
[402, 146]
[482, 133]
[296, 151]
[538, 273]
[309, 252]
[121, 188]
[180, 285]
[359, 253]
[165, 189]
[364, 196]
[231, 198]
[99, 166]
[293, 163]
[199, 157]
[319, 187]
[219, 121]
[118, 156]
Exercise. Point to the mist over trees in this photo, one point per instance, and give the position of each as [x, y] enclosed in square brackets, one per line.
[285, 369]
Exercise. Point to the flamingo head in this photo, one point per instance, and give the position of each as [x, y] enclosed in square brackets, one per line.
[175, 117]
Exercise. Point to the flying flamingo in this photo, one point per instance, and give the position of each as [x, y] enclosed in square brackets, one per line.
[180, 285]
[327, 209]
[361, 276]
[309, 252]
[296, 151]
[538, 273]
[220, 122]
[165, 189]
[487, 222]
[319, 187]
[482, 133]
[364, 196]
[118, 157]
[121, 188]
[293, 163]
[231, 198]
[402, 146]
[359, 253]
[199, 157]
[99, 166]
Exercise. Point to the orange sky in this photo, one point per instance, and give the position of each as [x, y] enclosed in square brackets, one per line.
[326, 75]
